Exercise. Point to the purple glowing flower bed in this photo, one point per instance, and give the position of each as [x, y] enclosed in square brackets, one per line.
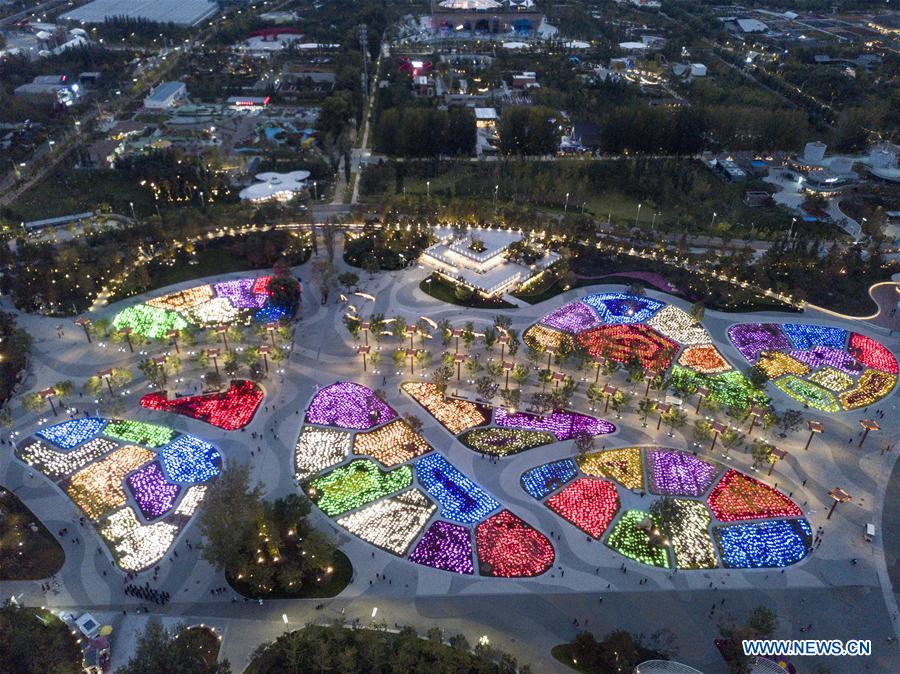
[573, 318]
[751, 338]
[564, 425]
[348, 405]
[823, 355]
[240, 293]
[445, 546]
[154, 494]
[679, 473]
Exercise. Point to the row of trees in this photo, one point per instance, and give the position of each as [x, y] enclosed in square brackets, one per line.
[426, 132]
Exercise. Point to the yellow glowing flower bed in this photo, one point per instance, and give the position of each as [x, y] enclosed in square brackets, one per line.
[776, 364]
[455, 415]
[392, 444]
[622, 465]
[97, 489]
[544, 338]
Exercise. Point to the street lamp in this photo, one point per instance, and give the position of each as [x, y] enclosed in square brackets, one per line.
[457, 332]
[133, 216]
[702, 392]
[650, 376]
[364, 326]
[868, 425]
[778, 455]
[838, 495]
[127, 332]
[791, 230]
[214, 354]
[271, 328]
[105, 375]
[713, 221]
[411, 331]
[503, 339]
[508, 367]
[609, 391]
[663, 409]
[496, 191]
[84, 323]
[458, 360]
[428, 188]
[411, 354]
[160, 362]
[47, 394]
[363, 351]
[566, 207]
[173, 335]
[814, 427]
[264, 352]
[756, 413]
[637, 215]
[221, 330]
[717, 427]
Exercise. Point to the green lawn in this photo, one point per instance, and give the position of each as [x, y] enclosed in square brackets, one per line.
[340, 578]
[442, 289]
[25, 554]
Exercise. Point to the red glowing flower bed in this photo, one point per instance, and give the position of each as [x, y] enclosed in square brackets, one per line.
[619, 342]
[508, 547]
[587, 503]
[872, 354]
[261, 286]
[229, 410]
[740, 497]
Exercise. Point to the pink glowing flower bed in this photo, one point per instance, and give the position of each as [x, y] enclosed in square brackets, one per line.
[588, 503]
[229, 410]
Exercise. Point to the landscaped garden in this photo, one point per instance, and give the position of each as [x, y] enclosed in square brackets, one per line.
[229, 410]
[830, 369]
[753, 525]
[28, 551]
[380, 479]
[103, 465]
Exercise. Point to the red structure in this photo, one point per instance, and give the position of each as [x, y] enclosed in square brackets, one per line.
[230, 410]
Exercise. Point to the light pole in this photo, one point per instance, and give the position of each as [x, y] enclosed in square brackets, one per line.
[496, 191]
[868, 425]
[47, 394]
[364, 326]
[133, 216]
[264, 352]
[566, 207]
[778, 454]
[315, 191]
[637, 215]
[160, 362]
[271, 328]
[214, 354]
[662, 408]
[702, 392]
[173, 335]
[507, 367]
[756, 413]
[653, 224]
[84, 323]
[411, 354]
[814, 427]
[717, 427]
[363, 351]
[608, 391]
[105, 375]
[713, 221]
[221, 330]
[838, 495]
[428, 189]
[791, 230]
[458, 360]
[127, 332]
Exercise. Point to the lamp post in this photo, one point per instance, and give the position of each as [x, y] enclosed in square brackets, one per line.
[566, 207]
[271, 328]
[264, 352]
[713, 221]
[779, 455]
[457, 332]
[84, 323]
[133, 216]
[868, 425]
[558, 377]
[609, 391]
[214, 354]
[127, 332]
[160, 362]
[363, 351]
[428, 189]
[458, 361]
[838, 495]
[47, 394]
[755, 413]
[649, 376]
[411, 331]
[173, 335]
[662, 408]
[814, 427]
[105, 375]
[504, 340]
[508, 367]
[496, 191]
[598, 363]
[637, 215]
[365, 325]
[550, 354]
[717, 427]
[221, 330]
[702, 392]
[411, 354]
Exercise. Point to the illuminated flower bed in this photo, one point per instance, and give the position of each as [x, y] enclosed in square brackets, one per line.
[543, 338]
[191, 500]
[57, 465]
[392, 444]
[454, 415]
[215, 312]
[689, 536]
[504, 441]
[777, 363]
[731, 389]
[69, 434]
[509, 548]
[588, 503]
[139, 432]
[153, 493]
[805, 336]
[705, 359]
[619, 308]
[563, 425]
[752, 338]
[151, 322]
[229, 410]
[833, 380]
[676, 473]
[630, 541]
[872, 354]
[270, 314]
[740, 497]
[676, 324]
[318, 449]
[573, 317]
[135, 545]
[391, 524]
[821, 356]
[461, 500]
[240, 293]
[183, 299]
[261, 285]
[772, 544]
[189, 459]
[621, 343]
[808, 393]
[542, 480]
[97, 489]
[348, 405]
[445, 546]
[873, 386]
[622, 465]
[356, 484]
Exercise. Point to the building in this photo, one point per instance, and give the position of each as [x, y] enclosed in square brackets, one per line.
[165, 95]
[267, 41]
[248, 102]
[525, 80]
[751, 26]
[485, 16]
[273, 186]
[179, 12]
[486, 118]
[55, 89]
[728, 169]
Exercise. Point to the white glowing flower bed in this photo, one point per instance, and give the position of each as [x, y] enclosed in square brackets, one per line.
[391, 524]
[318, 449]
[676, 324]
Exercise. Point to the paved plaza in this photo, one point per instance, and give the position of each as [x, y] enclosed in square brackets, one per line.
[840, 598]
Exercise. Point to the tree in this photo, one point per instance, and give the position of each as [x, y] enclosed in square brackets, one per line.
[761, 451]
[29, 644]
[348, 279]
[231, 518]
[511, 397]
[520, 374]
[761, 624]
[322, 271]
[541, 402]
[675, 418]
[646, 407]
[161, 650]
[790, 420]
[486, 388]
[441, 377]
[584, 442]
[697, 312]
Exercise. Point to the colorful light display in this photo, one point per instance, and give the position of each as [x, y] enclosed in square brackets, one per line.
[318, 449]
[622, 465]
[135, 545]
[622, 343]
[356, 484]
[872, 354]
[563, 425]
[542, 480]
[57, 465]
[873, 386]
[777, 543]
[261, 285]
[454, 415]
[689, 536]
[731, 389]
[153, 493]
[547, 339]
[97, 489]
[190, 460]
[618, 308]
[740, 497]
[629, 540]
[151, 322]
[461, 500]
[183, 299]
[573, 317]
[504, 441]
[229, 410]
[69, 434]
[392, 444]
[240, 293]
[139, 432]
[752, 338]
[270, 314]
[508, 547]
[676, 324]
[833, 380]
[217, 311]
[391, 524]
[348, 405]
[777, 363]
[808, 393]
[445, 546]
[804, 336]
[191, 500]
[705, 359]
[676, 473]
[820, 356]
[588, 503]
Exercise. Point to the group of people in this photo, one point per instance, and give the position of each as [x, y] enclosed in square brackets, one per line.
[148, 593]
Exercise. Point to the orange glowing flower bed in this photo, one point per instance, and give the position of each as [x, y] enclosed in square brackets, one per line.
[621, 343]
[704, 359]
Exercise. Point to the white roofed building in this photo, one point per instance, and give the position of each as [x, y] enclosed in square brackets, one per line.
[271, 186]
[179, 12]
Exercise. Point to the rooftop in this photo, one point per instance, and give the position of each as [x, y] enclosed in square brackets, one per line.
[179, 12]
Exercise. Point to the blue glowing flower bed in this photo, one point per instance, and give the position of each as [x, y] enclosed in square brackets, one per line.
[190, 459]
[460, 498]
[619, 308]
[771, 544]
[542, 480]
[70, 434]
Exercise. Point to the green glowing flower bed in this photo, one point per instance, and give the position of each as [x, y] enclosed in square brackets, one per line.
[149, 435]
[808, 393]
[628, 540]
[504, 441]
[731, 389]
[356, 484]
